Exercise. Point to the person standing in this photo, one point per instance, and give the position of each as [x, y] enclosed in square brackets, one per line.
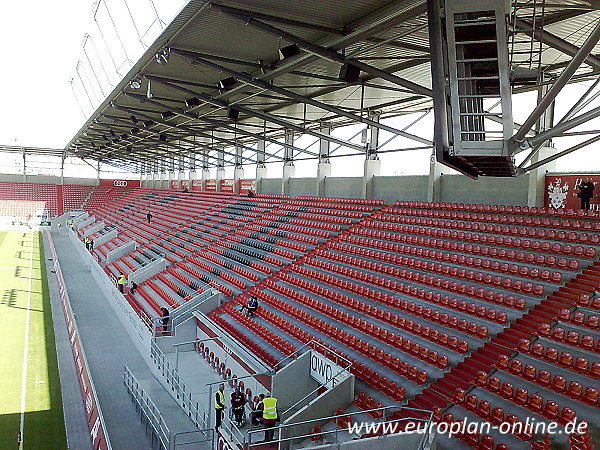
[149, 216]
[238, 401]
[269, 416]
[219, 405]
[164, 312]
[256, 415]
[121, 282]
[586, 192]
[91, 245]
[86, 241]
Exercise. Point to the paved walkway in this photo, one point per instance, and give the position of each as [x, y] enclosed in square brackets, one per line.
[78, 435]
[109, 348]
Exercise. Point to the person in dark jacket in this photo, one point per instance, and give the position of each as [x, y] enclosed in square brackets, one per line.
[586, 192]
[149, 217]
[257, 414]
[238, 401]
[250, 307]
[164, 312]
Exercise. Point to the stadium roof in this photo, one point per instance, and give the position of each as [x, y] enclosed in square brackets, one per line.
[218, 78]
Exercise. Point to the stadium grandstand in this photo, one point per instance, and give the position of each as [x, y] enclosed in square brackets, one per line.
[424, 253]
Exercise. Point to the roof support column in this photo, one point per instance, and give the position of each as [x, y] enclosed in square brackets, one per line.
[289, 170]
[155, 180]
[205, 169]
[24, 166]
[98, 174]
[537, 177]
[261, 167]
[324, 165]
[220, 167]
[238, 171]
[181, 174]
[372, 165]
[434, 187]
[193, 174]
[62, 169]
[164, 179]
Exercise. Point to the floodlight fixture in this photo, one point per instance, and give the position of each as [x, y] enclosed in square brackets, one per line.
[288, 51]
[191, 102]
[226, 83]
[135, 83]
[162, 57]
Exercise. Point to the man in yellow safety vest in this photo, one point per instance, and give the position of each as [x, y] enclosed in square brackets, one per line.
[219, 405]
[121, 282]
[269, 416]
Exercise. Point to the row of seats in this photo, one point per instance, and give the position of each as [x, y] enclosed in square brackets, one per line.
[472, 309]
[447, 232]
[583, 319]
[565, 359]
[487, 295]
[383, 335]
[513, 231]
[570, 337]
[544, 378]
[487, 264]
[498, 218]
[394, 319]
[475, 249]
[509, 209]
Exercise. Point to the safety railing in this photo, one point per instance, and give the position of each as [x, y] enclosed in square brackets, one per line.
[188, 402]
[148, 411]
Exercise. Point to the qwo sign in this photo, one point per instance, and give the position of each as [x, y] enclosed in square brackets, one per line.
[324, 371]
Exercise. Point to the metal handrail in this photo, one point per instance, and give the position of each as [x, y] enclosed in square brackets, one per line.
[324, 419]
[147, 406]
[192, 407]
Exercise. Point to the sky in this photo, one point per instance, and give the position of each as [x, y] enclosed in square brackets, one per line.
[43, 44]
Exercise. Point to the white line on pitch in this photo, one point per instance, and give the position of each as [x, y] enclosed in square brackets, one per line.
[26, 348]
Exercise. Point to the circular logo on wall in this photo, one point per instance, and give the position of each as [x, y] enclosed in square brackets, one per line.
[121, 183]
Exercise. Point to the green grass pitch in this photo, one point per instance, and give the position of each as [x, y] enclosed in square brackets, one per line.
[23, 282]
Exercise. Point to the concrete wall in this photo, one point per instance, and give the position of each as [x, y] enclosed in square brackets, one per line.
[302, 186]
[454, 188]
[488, 190]
[269, 186]
[293, 382]
[46, 179]
[343, 187]
[390, 189]
[324, 406]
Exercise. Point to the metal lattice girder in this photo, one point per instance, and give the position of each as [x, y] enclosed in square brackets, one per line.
[562, 153]
[161, 151]
[144, 113]
[555, 42]
[259, 114]
[518, 139]
[195, 117]
[249, 79]
[324, 52]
